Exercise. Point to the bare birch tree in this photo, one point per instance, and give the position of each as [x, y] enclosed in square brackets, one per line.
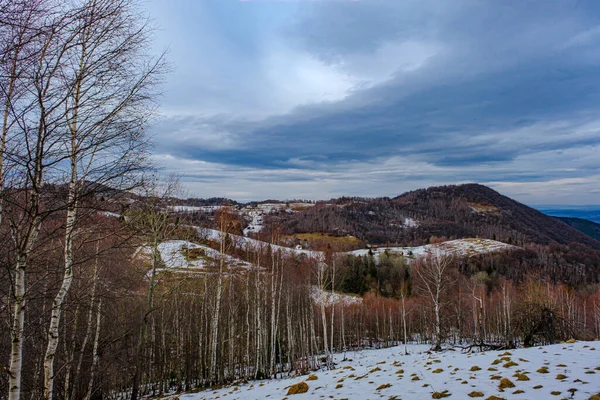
[435, 275]
[110, 89]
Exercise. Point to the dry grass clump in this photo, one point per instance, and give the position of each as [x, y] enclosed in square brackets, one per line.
[475, 368]
[505, 383]
[312, 378]
[384, 386]
[522, 377]
[475, 394]
[298, 388]
[440, 395]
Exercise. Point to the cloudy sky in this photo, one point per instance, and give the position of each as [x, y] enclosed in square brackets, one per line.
[322, 98]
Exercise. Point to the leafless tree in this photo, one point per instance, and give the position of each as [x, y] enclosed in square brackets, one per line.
[435, 274]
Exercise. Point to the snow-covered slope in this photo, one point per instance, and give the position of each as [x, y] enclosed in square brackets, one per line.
[242, 241]
[321, 296]
[184, 256]
[459, 247]
[572, 373]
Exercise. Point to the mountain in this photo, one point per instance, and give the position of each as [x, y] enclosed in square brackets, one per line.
[591, 213]
[588, 227]
[455, 211]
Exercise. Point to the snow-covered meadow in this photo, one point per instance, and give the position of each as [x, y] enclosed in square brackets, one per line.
[561, 371]
[459, 247]
[185, 256]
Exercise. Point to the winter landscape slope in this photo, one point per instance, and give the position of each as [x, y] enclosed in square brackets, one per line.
[568, 370]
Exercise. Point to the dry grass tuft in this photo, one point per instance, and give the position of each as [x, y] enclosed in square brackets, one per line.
[475, 394]
[505, 383]
[522, 377]
[298, 388]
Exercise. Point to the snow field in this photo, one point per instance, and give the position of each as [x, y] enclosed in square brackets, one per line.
[185, 256]
[572, 373]
[458, 247]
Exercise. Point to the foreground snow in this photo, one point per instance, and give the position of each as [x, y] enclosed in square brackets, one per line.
[419, 374]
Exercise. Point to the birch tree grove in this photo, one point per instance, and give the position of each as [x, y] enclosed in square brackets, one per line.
[77, 91]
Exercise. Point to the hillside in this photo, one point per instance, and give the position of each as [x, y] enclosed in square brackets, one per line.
[469, 210]
[588, 227]
[387, 373]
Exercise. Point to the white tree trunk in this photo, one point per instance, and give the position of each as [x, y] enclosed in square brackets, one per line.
[57, 304]
[16, 351]
[96, 356]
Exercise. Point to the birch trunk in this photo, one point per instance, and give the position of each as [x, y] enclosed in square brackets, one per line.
[57, 304]
[16, 351]
[96, 357]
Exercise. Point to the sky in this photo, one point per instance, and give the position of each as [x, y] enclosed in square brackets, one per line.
[314, 99]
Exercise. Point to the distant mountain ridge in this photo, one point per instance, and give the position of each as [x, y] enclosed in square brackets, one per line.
[590, 228]
[456, 211]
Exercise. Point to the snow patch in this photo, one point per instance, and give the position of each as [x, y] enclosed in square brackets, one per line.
[321, 296]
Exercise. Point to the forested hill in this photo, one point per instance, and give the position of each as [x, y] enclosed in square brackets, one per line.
[446, 211]
[590, 228]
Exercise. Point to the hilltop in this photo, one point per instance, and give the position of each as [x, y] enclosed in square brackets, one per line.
[457, 211]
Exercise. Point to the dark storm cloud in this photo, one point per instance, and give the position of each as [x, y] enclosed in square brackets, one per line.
[483, 91]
